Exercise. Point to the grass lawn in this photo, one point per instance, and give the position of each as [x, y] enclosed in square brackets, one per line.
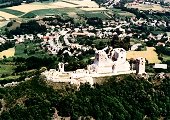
[13, 12]
[29, 49]
[41, 12]
[10, 78]
[6, 69]
[101, 15]
[119, 12]
[58, 11]
[29, 15]
[166, 57]
[19, 50]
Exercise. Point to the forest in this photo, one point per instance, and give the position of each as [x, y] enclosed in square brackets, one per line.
[124, 97]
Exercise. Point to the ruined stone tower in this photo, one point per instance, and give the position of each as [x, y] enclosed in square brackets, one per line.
[140, 65]
[61, 67]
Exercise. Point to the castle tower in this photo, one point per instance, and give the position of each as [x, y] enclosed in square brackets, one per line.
[140, 65]
[61, 67]
[119, 55]
[102, 64]
[100, 58]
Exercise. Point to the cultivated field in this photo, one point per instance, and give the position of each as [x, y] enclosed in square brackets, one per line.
[154, 7]
[7, 15]
[60, 4]
[31, 7]
[94, 9]
[85, 3]
[13, 12]
[102, 15]
[37, 9]
[149, 54]
[120, 12]
[8, 53]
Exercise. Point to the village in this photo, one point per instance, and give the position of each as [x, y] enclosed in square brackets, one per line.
[63, 40]
[84, 59]
[120, 35]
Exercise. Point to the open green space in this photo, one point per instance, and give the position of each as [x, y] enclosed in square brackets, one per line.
[29, 15]
[64, 12]
[166, 58]
[59, 11]
[41, 12]
[103, 15]
[19, 50]
[6, 69]
[11, 78]
[13, 12]
[27, 49]
[119, 12]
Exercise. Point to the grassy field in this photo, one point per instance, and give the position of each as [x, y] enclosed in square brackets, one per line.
[41, 12]
[19, 50]
[10, 78]
[119, 12]
[101, 15]
[32, 10]
[6, 69]
[149, 54]
[58, 11]
[29, 15]
[13, 12]
[6, 15]
[32, 49]
[8, 53]
[54, 5]
[166, 58]
[154, 7]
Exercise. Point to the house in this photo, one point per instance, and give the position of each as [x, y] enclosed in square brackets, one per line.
[160, 66]
[160, 44]
[135, 46]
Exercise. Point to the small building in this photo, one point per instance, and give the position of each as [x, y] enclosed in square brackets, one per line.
[135, 46]
[160, 66]
[160, 44]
